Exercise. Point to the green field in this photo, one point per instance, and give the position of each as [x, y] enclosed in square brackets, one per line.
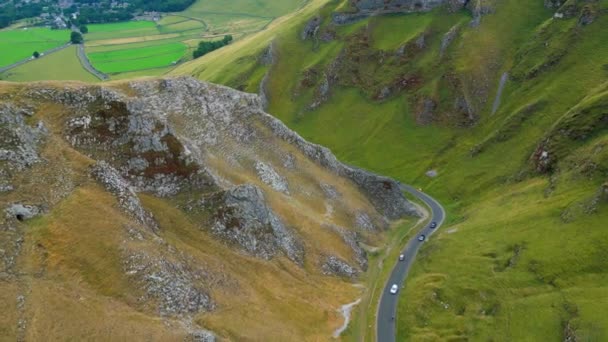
[522, 255]
[21, 43]
[51, 67]
[140, 58]
[137, 46]
[141, 45]
[240, 15]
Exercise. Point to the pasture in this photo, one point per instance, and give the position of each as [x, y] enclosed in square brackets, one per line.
[51, 67]
[21, 43]
[138, 58]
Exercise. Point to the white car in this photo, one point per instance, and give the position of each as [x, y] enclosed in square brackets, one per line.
[394, 289]
[401, 257]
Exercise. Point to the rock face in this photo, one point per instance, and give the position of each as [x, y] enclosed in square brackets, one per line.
[127, 198]
[336, 266]
[366, 8]
[243, 218]
[18, 141]
[311, 27]
[173, 285]
[404, 5]
[22, 212]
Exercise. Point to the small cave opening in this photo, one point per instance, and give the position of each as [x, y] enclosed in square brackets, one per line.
[20, 217]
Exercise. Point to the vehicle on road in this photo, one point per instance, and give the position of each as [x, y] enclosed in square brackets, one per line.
[401, 257]
[422, 237]
[394, 289]
[433, 225]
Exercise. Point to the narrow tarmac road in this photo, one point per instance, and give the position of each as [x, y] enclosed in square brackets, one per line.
[387, 309]
[86, 63]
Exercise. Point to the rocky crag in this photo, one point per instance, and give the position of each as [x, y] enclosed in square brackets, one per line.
[253, 190]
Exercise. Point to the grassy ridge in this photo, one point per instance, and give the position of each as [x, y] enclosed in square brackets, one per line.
[521, 255]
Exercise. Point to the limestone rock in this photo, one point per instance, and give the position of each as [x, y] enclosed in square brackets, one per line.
[22, 212]
[174, 285]
[127, 198]
[19, 142]
[269, 176]
[244, 219]
[311, 28]
[333, 265]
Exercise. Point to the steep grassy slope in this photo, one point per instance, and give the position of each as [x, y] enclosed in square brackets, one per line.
[403, 94]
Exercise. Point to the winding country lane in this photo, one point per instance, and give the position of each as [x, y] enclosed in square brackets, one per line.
[387, 309]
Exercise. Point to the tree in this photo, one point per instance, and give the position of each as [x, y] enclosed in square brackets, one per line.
[36, 54]
[76, 38]
[84, 29]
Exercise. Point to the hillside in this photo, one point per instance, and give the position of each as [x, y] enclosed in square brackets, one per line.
[496, 108]
[173, 209]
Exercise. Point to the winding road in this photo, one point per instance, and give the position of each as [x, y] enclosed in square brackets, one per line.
[387, 308]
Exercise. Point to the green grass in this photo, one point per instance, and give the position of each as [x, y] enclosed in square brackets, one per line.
[240, 15]
[525, 253]
[141, 58]
[19, 44]
[394, 30]
[263, 8]
[51, 67]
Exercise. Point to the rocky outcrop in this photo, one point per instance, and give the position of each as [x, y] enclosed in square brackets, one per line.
[352, 240]
[165, 137]
[202, 336]
[404, 5]
[269, 176]
[174, 285]
[19, 141]
[127, 198]
[311, 28]
[447, 39]
[22, 212]
[365, 8]
[243, 218]
[268, 58]
[425, 112]
[332, 265]
[554, 3]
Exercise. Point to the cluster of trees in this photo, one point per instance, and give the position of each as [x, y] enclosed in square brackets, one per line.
[101, 11]
[90, 11]
[164, 5]
[9, 13]
[206, 47]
